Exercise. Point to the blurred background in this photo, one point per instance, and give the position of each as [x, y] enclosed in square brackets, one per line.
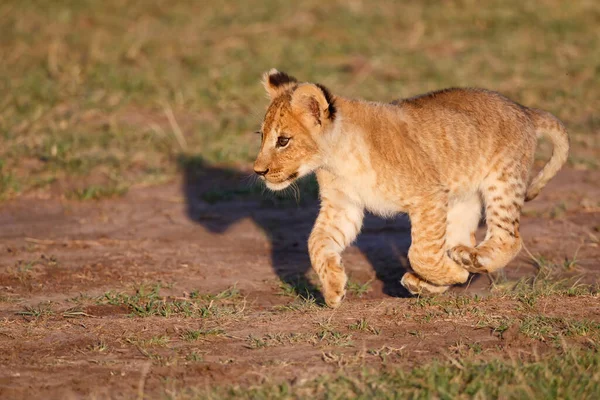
[98, 96]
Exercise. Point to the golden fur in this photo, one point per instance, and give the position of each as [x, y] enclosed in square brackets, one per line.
[438, 157]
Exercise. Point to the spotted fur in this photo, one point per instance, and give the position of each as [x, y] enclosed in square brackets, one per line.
[440, 157]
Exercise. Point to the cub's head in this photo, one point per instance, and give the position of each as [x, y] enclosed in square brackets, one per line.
[296, 119]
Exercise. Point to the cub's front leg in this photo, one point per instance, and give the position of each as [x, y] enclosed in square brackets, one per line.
[337, 225]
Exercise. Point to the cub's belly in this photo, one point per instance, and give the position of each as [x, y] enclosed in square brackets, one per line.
[381, 204]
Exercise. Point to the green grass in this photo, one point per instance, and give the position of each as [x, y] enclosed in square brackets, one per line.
[23, 271]
[333, 337]
[548, 280]
[98, 347]
[324, 336]
[294, 289]
[302, 293]
[39, 311]
[194, 357]
[359, 289]
[573, 374]
[302, 303]
[553, 328]
[147, 301]
[110, 93]
[231, 293]
[96, 192]
[201, 334]
[155, 341]
[363, 325]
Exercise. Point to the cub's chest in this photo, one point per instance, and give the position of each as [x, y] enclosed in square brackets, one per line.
[374, 196]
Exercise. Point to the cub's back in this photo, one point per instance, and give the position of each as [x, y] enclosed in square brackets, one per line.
[467, 128]
[486, 112]
[460, 99]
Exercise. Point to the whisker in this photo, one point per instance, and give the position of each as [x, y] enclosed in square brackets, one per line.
[292, 191]
[296, 190]
[249, 179]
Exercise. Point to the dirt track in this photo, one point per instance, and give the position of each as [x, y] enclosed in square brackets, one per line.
[60, 257]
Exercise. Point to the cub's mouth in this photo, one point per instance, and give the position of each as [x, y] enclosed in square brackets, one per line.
[282, 184]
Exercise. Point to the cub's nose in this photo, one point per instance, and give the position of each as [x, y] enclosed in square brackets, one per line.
[262, 173]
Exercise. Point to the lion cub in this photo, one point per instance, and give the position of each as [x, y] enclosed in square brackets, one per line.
[438, 157]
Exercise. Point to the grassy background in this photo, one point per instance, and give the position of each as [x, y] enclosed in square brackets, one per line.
[570, 375]
[99, 95]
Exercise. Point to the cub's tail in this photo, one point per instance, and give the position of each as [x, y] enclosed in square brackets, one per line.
[547, 125]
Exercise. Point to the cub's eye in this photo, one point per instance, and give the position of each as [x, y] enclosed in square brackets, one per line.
[282, 141]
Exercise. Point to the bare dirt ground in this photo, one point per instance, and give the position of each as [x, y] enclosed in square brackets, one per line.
[206, 278]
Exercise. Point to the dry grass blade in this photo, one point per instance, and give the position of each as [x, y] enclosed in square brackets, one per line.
[175, 127]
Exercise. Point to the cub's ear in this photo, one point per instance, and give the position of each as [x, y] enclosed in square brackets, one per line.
[314, 103]
[276, 82]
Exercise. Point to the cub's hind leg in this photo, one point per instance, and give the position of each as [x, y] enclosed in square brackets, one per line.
[504, 196]
[435, 271]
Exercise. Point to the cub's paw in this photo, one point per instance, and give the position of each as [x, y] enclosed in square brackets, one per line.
[468, 258]
[418, 286]
[334, 284]
[333, 298]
